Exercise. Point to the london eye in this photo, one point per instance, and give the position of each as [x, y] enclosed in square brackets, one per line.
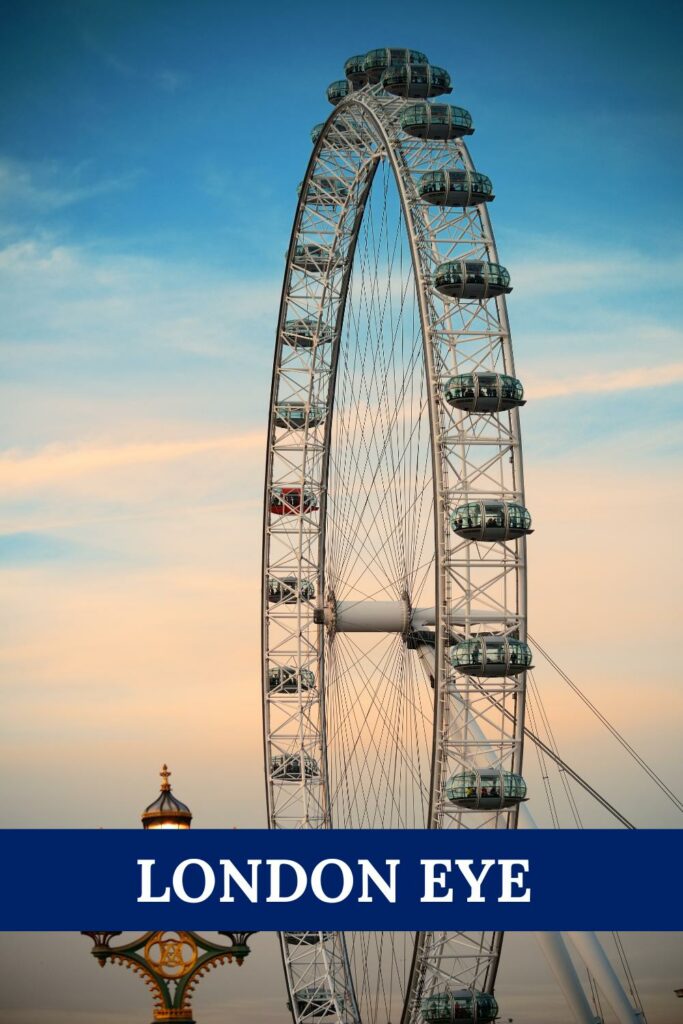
[395, 647]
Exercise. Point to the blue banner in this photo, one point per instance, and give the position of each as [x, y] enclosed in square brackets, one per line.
[415, 880]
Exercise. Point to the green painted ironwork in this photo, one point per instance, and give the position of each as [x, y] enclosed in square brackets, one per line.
[171, 963]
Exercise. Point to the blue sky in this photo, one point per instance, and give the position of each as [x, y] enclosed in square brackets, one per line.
[177, 133]
[149, 156]
[188, 116]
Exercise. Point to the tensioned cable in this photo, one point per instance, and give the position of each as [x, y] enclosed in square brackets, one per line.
[558, 760]
[608, 725]
[543, 749]
[543, 766]
[595, 995]
[621, 952]
[633, 988]
[628, 973]
[552, 742]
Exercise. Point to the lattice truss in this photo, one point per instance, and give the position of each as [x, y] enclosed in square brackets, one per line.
[364, 731]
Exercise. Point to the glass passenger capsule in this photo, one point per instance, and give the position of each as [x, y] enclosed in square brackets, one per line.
[289, 679]
[317, 1001]
[293, 767]
[491, 655]
[316, 131]
[484, 392]
[337, 91]
[306, 938]
[460, 1005]
[312, 257]
[289, 590]
[471, 279]
[377, 61]
[354, 69]
[324, 191]
[298, 415]
[457, 187]
[436, 121]
[485, 789]
[292, 501]
[306, 333]
[491, 520]
[416, 81]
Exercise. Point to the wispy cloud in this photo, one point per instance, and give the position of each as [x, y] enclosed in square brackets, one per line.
[100, 302]
[165, 79]
[169, 81]
[540, 266]
[57, 463]
[638, 377]
[48, 185]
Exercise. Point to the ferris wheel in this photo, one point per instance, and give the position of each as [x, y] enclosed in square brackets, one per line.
[395, 650]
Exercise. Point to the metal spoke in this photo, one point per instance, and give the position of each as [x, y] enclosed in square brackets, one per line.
[366, 347]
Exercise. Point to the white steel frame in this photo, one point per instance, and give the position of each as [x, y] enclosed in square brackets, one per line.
[478, 586]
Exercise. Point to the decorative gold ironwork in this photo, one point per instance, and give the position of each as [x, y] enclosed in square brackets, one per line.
[171, 964]
[165, 775]
[172, 954]
[157, 992]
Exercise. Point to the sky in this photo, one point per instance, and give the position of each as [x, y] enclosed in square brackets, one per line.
[149, 157]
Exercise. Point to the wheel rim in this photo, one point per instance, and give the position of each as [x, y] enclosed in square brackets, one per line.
[358, 744]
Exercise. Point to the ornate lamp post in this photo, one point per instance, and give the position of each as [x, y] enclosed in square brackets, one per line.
[171, 963]
[166, 811]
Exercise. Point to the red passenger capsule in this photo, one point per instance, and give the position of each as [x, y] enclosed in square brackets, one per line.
[291, 501]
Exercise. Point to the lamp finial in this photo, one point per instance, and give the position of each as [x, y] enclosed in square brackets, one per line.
[165, 773]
